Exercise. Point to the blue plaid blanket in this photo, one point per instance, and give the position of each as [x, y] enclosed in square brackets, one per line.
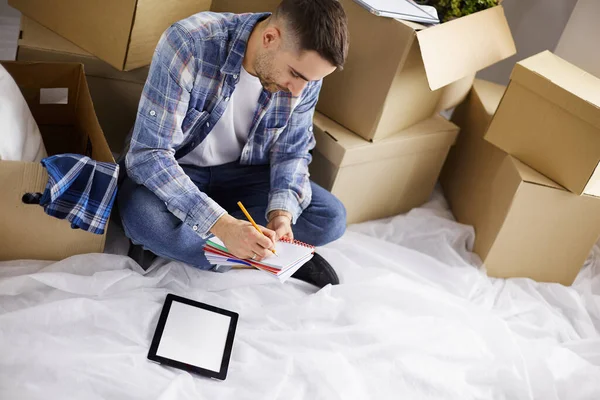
[80, 190]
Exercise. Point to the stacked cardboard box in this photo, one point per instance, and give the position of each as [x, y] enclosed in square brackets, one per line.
[380, 147]
[549, 118]
[384, 178]
[523, 171]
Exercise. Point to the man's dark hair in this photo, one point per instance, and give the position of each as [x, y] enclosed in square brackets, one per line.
[318, 25]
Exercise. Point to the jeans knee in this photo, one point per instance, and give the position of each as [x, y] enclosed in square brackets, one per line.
[147, 222]
[335, 224]
[138, 211]
[338, 220]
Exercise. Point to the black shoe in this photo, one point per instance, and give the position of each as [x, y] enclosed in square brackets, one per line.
[317, 272]
[141, 256]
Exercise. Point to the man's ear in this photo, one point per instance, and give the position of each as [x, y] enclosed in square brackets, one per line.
[271, 37]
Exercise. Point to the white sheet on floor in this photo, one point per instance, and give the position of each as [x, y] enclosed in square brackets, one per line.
[413, 319]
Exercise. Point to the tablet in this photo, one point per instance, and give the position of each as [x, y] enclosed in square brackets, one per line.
[194, 337]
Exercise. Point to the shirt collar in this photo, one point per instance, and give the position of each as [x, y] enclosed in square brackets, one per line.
[233, 63]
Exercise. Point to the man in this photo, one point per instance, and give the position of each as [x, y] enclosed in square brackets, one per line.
[226, 116]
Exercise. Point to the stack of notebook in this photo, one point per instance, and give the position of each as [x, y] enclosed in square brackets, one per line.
[407, 10]
[291, 255]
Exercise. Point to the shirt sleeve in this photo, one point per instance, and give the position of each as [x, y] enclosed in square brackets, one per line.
[163, 107]
[290, 157]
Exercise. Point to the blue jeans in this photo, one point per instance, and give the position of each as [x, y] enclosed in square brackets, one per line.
[147, 221]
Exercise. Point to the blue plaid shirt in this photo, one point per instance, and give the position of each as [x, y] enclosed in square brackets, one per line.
[80, 190]
[194, 71]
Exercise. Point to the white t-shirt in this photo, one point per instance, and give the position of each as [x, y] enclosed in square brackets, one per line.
[226, 141]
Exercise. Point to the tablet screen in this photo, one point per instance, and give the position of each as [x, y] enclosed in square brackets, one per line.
[194, 336]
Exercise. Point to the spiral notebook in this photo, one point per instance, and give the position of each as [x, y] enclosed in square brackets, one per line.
[407, 10]
[291, 255]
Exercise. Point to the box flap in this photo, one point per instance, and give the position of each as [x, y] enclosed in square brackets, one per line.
[562, 83]
[152, 18]
[41, 44]
[530, 175]
[465, 45]
[415, 26]
[87, 121]
[489, 95]
[475, 114]
[455, 93]
[361, 86]
[37, 36]
[343, 147]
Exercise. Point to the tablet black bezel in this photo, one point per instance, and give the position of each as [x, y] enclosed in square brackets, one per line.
[222, 374]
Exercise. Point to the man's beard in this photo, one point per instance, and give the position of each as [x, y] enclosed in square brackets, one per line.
[264, 71]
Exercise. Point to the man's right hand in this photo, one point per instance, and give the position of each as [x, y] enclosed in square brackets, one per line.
[242, 239]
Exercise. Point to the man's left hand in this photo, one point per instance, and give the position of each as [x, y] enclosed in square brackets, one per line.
[281, 223]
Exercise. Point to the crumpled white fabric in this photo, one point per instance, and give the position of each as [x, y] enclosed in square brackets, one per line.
[414, 318]
[20, 138]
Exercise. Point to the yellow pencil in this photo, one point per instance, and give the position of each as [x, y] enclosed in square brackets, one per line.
[239, 203]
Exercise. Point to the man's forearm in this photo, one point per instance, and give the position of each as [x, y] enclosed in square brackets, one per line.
[221, 225]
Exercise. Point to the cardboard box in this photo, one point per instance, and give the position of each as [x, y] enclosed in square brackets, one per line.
[38, 43]
[68, 125]
[378, 180]
[238, 7]
[116, 94]
[550, 120]
[399, 73]
[525, 224]
[124, 33]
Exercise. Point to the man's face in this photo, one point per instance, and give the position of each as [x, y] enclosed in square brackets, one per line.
[281, 66]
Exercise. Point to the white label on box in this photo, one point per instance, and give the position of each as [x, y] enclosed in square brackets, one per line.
[54, 96]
